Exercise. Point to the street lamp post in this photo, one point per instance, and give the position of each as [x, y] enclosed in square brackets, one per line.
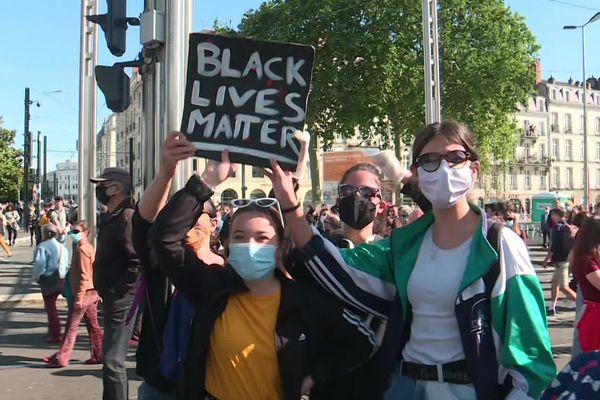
[586, 172]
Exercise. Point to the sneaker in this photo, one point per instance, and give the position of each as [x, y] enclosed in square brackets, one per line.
[550, 312]
[55, 364]
[93, 361]
[48, 360]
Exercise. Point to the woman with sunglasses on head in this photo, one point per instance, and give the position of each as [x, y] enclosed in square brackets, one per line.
[258, 334]
[470, 322]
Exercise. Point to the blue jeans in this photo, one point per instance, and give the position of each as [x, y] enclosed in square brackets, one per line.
[576, 349]
[115, 346]
[148, 392]
[405, 388]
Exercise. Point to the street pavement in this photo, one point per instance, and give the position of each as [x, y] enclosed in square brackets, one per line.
[23, 327]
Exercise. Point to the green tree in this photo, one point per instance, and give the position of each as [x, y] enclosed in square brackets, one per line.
[368, 73]
[10, 165]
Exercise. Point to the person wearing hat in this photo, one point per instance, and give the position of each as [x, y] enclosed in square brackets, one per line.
[116, 268]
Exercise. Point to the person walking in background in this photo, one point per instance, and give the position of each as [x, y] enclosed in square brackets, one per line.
[58, 217]
[32, 223]
[586, 267]
[544, 228]
[12, 223]
[50, 266]
[85, 304]
[3, 243]
[558, 256]
[116, 268]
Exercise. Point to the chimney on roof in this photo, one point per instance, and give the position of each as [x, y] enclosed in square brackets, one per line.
[538, 70]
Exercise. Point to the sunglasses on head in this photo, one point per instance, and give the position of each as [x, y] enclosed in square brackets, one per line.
[430, 162]
[263, 202]
[366, 192]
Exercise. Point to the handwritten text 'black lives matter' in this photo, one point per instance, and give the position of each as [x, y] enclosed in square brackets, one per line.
[246, 96]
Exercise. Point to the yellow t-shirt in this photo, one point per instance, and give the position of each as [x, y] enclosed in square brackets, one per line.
[242, 358]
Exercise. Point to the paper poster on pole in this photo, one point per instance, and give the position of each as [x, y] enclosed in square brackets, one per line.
[246, 96]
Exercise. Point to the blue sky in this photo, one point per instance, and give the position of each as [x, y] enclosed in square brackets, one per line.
[40, 49]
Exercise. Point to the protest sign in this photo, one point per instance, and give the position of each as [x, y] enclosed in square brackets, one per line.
[246, 96]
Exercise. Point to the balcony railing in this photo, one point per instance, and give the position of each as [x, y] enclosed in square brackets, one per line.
[533, 160]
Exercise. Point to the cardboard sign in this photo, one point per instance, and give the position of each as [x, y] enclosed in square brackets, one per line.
[248, 97]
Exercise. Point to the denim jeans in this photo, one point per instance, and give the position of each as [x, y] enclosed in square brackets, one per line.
[115, 346]
[148, 392]
[405, 388]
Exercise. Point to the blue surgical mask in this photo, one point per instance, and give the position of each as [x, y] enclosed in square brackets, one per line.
[219, 225]
[252, 261]
[509, 223]
[75, 237]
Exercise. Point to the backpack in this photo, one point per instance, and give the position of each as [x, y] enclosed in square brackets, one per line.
[178, 330]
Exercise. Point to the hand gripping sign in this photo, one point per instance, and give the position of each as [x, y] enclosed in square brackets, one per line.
[248, 97]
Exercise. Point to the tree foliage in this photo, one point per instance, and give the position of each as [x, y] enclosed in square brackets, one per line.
[10, 165]
[368, 73]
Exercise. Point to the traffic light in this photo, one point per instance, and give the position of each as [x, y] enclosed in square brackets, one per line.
[114, 83]
[114, 24]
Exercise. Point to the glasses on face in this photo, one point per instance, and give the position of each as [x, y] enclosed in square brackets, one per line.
[75, 231]
[430, 162]
[366, 192]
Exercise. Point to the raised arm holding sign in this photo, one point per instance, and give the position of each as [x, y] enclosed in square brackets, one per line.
[248, 97]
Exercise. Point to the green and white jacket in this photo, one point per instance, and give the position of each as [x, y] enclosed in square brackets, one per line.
[504, 333]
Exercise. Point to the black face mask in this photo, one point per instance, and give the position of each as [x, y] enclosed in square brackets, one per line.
[356, 211]
[101, 195]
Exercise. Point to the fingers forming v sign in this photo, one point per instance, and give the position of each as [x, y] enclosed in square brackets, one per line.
[283, 185]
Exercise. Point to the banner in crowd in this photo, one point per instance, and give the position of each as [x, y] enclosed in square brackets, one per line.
[246, 96]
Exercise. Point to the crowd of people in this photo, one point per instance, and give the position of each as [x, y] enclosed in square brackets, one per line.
[268, 299]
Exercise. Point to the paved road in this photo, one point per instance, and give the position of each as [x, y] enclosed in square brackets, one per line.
[23, 327]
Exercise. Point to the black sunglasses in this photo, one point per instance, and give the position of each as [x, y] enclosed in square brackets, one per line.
[365, 191]
[430, 162]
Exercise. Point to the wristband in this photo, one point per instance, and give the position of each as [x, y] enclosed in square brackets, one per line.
[290, 209]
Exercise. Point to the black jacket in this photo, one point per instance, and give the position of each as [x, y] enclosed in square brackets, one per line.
[156, 307]
[116, 265]
[321, 338]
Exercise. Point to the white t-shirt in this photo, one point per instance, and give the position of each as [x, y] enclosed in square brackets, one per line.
[432, 291]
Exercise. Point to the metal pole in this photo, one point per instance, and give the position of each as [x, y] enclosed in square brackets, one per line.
[87, 113]
[243, 180]
[45, 191]
[26, 149]
[431, 62]
[586, 172]
[39, 170]
[178, 26]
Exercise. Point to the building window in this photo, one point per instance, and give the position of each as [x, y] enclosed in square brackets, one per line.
[582, 153]
[597, 126]
[556, 177]
[581, 124]
[568, 150]
[543, 128]
[232, 172]
[555, 150]
[597, 151]
[257, 172]
[513, 179]
[568, 124]
[527, 180]
[568, 95]
[542, 181]
[569, 182]
[553, 94]
[527, 150]
[554, 125]
[598, 178]
[543, 150]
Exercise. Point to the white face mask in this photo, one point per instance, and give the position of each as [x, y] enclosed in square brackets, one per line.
[444, 187]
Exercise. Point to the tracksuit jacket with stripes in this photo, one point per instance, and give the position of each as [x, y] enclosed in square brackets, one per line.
[504, 334]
